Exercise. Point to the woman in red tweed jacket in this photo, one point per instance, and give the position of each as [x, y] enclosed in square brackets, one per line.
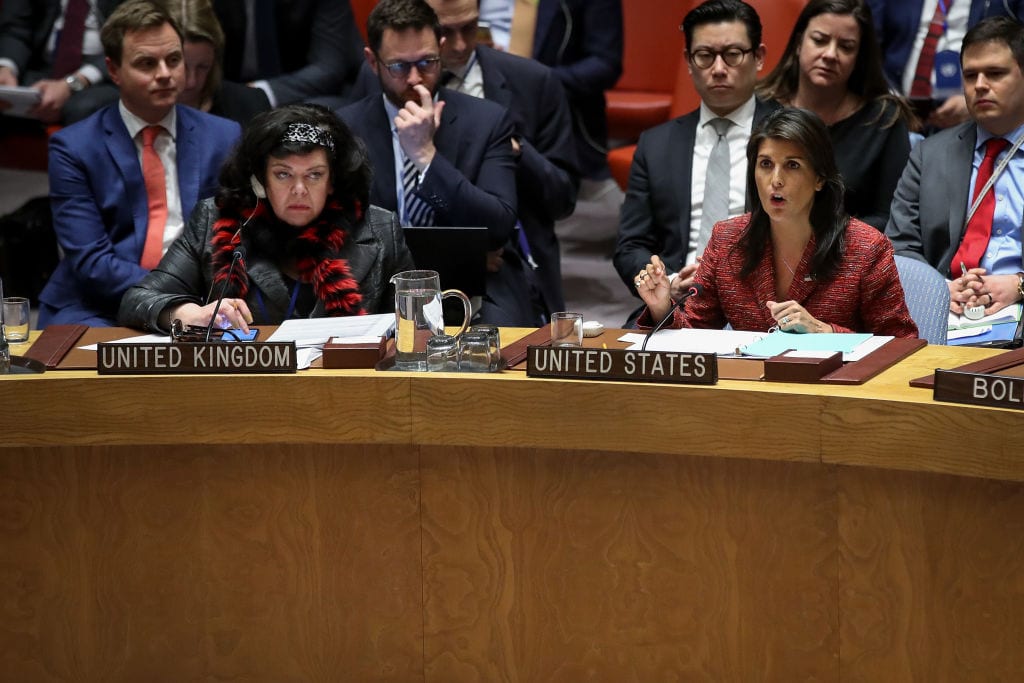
[797, 261]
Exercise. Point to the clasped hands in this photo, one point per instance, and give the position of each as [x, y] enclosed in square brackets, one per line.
[994, 292]
[653, 286]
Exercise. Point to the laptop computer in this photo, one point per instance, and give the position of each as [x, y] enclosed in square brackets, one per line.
[459, 255]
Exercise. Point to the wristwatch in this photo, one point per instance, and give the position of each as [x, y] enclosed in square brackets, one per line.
[1020, 285]
[75, 82]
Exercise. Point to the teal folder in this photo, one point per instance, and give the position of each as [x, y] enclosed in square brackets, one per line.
[778, 342]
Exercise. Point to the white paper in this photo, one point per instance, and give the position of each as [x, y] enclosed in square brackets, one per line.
[724, 342]
[141, 339]
[1003, 315]
[20, 100]
[314, 332]
[968, 332]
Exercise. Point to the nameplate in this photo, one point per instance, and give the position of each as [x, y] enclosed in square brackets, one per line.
[997, 391]
[621, 365]
[202, 358]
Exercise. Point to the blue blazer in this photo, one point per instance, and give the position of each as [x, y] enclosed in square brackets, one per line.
[100, 210]
[897, 22]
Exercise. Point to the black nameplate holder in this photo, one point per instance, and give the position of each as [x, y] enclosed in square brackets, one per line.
[995, 391]
[196, 358]
[623, 365]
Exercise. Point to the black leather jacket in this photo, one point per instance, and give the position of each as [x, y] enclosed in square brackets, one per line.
[375, 251]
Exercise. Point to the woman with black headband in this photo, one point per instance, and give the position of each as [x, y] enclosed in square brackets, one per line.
[292, 213]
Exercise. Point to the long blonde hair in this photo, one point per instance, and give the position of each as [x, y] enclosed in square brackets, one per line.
[199, 24]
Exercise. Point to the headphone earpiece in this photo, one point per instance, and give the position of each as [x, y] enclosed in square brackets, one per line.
[257, 187]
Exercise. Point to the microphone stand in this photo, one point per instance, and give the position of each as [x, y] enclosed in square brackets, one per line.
[237, 255]
[694, 290]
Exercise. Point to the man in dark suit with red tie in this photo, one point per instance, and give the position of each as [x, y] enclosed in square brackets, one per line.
[959, 204]
[124, 181]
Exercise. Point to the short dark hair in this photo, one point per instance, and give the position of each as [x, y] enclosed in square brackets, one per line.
[1005, 30]
[867, 78]
[133, 15]
[828, 212]
[719, 11]
[399, 15]
[264, 138]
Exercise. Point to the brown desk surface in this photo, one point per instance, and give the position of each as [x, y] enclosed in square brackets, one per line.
[352, 525]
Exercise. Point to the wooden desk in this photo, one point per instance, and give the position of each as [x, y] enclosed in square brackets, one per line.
[351, 526]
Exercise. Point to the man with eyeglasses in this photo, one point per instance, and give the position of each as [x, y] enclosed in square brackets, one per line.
[691, 172]
[440, 157]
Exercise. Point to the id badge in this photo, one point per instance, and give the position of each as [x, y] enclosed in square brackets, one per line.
[948, 81]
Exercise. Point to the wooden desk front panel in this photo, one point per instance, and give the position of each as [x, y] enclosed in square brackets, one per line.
[248, 563]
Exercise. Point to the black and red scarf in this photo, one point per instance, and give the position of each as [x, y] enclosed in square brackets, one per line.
[314, 248]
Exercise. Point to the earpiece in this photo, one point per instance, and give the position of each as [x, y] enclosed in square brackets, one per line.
[257, 187]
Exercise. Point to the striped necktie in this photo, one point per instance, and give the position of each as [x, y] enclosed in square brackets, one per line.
[417, 212]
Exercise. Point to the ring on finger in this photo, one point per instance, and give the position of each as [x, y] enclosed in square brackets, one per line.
[785, 320]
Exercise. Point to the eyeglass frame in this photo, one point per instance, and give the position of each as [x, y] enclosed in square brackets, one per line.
[715, 54]
[426, 65]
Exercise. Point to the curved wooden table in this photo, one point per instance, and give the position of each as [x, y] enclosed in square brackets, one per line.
[357, 526]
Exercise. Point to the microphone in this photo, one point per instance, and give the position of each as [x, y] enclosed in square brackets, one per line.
[695, 289]
[237, 255]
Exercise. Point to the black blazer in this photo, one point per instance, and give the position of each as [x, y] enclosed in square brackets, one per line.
[25, 26]
[318, 42]
[655, 216]
[546, 177]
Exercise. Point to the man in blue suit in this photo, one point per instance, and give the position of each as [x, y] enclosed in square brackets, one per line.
[440, 157]
[99, 188]
[902, 25]
[546, 174]
[581, 40]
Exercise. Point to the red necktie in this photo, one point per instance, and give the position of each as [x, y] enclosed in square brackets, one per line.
[67, 57]
[921, 87]
[156, 193]
[979, 228]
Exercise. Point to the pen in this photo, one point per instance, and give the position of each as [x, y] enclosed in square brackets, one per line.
[963, 271]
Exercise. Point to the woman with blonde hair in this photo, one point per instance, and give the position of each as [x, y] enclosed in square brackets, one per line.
[205, 88]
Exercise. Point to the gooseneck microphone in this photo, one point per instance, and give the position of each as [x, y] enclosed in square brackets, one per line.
[237, 255]
[694, 290]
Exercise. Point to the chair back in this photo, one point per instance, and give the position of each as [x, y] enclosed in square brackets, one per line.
[927, 296]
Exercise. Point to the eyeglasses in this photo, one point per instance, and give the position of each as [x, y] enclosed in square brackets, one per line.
[427, 65]
[733, 56]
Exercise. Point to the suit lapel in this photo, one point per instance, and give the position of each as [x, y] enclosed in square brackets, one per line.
[495, 85]
[381, 148]
[681, 167]
[959, 162]
[122, 150]
[446, 139]
[187, 160]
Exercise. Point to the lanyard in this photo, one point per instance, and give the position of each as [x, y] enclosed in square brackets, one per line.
[995, 176]
[291, 304]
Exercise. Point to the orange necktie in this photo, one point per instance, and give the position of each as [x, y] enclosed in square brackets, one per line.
[156, 193]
